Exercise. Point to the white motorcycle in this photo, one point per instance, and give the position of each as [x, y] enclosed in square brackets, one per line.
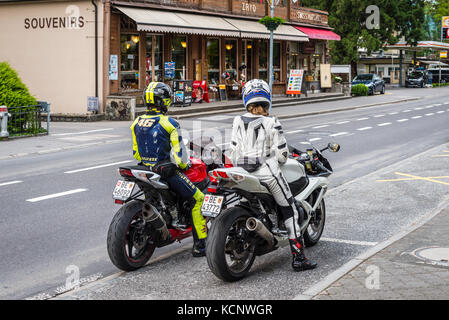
[244, 215]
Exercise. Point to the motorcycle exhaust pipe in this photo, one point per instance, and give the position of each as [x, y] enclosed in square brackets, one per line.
[153, 217]
[253, 224]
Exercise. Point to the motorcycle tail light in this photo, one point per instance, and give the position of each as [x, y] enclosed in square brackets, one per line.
[125, 172]
[212, 189]
[212, 179]
[119, 201]
[223, 174]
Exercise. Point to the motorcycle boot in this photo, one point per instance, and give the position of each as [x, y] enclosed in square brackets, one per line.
[199, 248]
[300, 262]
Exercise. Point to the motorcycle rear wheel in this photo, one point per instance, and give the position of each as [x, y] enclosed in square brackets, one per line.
[129, 248]
[229, 253]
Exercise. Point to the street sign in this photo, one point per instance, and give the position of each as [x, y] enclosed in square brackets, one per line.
[443, 54]
[295, 81]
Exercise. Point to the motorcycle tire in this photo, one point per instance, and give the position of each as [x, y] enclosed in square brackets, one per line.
[312, 239]
[119, 232]
[216, 243]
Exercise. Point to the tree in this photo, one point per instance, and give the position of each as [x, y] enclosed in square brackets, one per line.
[397, 19]
[13, 93]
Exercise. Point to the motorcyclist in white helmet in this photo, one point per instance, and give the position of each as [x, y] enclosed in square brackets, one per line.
[258, 138]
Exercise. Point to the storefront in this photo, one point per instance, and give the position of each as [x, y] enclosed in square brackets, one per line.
[118, 47]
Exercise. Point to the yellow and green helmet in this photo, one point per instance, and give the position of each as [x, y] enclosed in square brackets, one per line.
[157, 97]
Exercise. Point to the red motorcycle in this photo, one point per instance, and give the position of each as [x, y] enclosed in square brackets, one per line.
[152, 216]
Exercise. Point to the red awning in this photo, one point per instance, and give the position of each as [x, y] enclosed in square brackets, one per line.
[321, 34]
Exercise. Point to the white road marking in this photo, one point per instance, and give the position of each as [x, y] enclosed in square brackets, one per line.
[82, 132]
[429, 114]
[440, 112]
[384, 124]
[365, 128]
[343, 122]
[428, 107]
[319, 127]
[294, 131]
[418, 108]
[402, 120]
[100, 166]
[393, 113]
[405, 111]
[10, 182]
[56, 195]
[314, 139]
[338, 134]
[438, 104]
[416, 117]
[361, 119]
[359, 243]
[379, 116]
[305, 142]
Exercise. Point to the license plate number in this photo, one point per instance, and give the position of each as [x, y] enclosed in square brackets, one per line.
[123, 190]
[212, 205]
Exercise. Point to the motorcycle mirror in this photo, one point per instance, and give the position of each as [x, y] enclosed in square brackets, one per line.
[334, 147]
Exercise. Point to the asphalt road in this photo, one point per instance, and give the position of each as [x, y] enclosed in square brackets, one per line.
[52, 218]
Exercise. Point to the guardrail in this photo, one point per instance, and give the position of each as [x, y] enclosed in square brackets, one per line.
[26, 120]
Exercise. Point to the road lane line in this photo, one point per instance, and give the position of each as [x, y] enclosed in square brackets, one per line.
[384, 124]
[429, 114]
[314, 139]
[56, 195]
[319, 127]
[364, 129]
[405, 111]
[294, 131]
[402, 120]
[361, 119]
[305, 142]
[428, 107]
[10, 182]
[439, 112]
[416, 117]
[343, 122]
[359, 243]
[82, 132]
[438, 104]
[379, 116]
[393, 113]
[338, 134]
[100, 166]
[418, 108]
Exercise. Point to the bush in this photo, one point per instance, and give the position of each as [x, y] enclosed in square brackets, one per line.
[21, 104]
[13, 93]
[360, 90]
[435, 85]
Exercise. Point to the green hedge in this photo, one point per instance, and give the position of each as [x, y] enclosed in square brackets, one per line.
[440, 84]
[360, 90]
[21, 104]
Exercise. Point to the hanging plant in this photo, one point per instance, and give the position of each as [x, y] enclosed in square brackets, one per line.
[271, 23]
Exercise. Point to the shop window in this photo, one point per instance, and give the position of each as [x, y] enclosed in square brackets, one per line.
[213, 60]
[154, 68]
[263, 60]
[129, 62]
[179, 55]
[277, 61]
[293, 61]
[231, 58]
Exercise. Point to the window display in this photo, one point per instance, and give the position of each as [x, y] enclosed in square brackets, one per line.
[129, 62]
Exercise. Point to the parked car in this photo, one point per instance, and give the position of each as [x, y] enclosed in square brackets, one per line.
[417, 79]
[372, 81]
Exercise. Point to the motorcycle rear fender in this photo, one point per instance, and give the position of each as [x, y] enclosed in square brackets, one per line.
[249, 182]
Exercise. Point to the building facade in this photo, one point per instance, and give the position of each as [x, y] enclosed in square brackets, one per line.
[67, 51]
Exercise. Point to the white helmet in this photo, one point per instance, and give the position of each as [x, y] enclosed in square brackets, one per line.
[256, 91]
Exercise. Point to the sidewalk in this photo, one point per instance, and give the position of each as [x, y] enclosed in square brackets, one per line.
[414, 268]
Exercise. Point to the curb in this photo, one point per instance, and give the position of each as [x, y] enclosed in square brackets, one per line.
[334, 276]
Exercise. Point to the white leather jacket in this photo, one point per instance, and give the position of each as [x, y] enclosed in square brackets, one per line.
[257, 136]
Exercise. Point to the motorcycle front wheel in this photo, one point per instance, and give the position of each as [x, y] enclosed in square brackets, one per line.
[129, 244]
[316, 226]
[230, 251]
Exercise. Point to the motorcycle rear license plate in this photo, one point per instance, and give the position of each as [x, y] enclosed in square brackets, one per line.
[123, 190]
[211, 205]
